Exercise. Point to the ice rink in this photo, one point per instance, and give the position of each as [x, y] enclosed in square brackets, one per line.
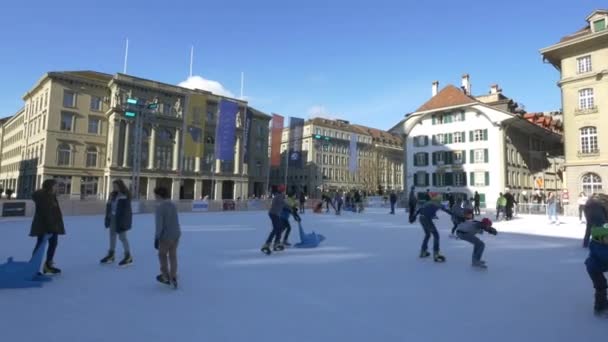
[365, 284]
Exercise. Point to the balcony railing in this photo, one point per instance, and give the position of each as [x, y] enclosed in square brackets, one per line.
[585, 111]
[588, 153]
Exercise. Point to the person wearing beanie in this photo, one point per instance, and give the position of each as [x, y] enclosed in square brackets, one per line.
[468, 230]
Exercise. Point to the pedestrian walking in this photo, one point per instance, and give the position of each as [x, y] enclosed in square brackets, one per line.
[118, 220]
[166, 237]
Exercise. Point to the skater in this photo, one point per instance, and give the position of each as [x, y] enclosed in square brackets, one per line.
[467, 231]
[501, 205]
[596, 213]
[166, 238]
[393, 198]
[427, 212]
[302, 202]
[582, 200]
[118, 219]
[552, 208]
[477, 203]
[412, 201]
[276, 209]
[458, 215]
[509, 205]
[47, 220]
[289, 210]
[450, 199]
[358, 202]
[339, 202]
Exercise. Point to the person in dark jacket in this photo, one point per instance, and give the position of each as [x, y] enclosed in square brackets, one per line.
[302, 202]
[412, 201]
[47, 220]
[596, 213]
[450, 198]
[476, 203]
[166, 237]
[427, 212]
[118, 219]
[393, 199]
[276, 209]
[510, 205]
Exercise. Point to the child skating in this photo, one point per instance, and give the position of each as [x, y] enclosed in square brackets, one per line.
[468, 230]
[427, 213]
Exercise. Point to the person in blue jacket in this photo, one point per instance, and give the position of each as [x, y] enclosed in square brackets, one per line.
[118, 220]
[427, 213]
[596, 213]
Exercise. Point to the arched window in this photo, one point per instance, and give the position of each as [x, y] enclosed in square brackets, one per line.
[592, 183]
[64, 155]
[91, 156]
[588, 137]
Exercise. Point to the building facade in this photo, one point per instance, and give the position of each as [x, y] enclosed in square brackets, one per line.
[74, 129]
[460, 144]
[326, 155]
[582, 60]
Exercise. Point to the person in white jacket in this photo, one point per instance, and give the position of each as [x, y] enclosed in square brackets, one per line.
[582, 200]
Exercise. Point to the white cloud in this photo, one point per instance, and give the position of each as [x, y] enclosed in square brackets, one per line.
[318, 111]
[199, 82]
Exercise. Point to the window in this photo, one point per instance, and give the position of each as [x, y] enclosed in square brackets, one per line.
[421, 140]
[439, 139]
[588, 140]
[479, 135]
[479, 178]
[93, 126]
[479, 156]
[167, 108]
[585, 99]
[64, 185]
[91, 157]
[421, 178]
[458, 116]
[331, 160]
[599, 25]
[458, 157]
[69, 99]
[439, 158]
[458, 137]
[459, 179]
[318, 159]
[96, 103]
[64, 154]
[325, 160]
[420, 159]
[583, 64]
[67, 121]
[164, 157]
[318, 131]
[437, 119]
[439, 179]
[592, 183]
[90, 185]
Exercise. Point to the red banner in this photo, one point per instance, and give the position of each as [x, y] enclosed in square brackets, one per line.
[276, 136]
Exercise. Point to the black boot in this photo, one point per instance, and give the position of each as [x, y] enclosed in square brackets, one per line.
[126, 261]
[50, 269]
[108, 259]
[601, 303]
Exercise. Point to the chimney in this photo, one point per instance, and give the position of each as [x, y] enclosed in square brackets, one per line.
[495, 89]
[466, 84]
[435, 87]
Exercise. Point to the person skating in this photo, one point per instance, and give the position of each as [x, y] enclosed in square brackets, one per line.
[412, 201]
[166, 237]
[276, 208]
[358, 202]
[510, 204]
[596, 213]
[581, 201]
[302, 202]
[457, 215]
[47, 220]
[552, 208]
[118, 220]
[427, 212]
[477, 203]
[339, 203]
[289, 210]
[393, 199]
[450, 199]
[467, 231]
[501, 204]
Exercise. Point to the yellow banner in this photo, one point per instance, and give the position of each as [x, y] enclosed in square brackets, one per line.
[195, 126]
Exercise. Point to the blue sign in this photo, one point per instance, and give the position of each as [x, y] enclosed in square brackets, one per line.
[248, 119]
[225, 136]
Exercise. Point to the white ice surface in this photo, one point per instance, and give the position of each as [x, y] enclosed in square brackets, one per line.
[365, 284]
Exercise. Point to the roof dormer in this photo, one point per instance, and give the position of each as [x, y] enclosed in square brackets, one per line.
[598, 20]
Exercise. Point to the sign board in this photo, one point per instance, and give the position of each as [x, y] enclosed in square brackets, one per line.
[13, 209]
[539, 183]
[200, 205]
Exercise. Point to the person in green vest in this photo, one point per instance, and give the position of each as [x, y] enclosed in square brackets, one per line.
[501, 205]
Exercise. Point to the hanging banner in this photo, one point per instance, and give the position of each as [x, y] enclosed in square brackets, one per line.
[226, 131]
[276, 136]
[353, 162]
[296, 133]
[247, 134]
[195, 126]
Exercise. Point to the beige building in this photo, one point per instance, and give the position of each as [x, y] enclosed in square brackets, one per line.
[73, 128]
[326, 155]
[582, 59]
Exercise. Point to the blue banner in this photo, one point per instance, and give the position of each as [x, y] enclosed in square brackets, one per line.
[296, 133]
[353, 162]
[247, 134]
[225, 137]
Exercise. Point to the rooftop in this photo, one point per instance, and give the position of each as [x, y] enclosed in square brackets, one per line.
[449, 96]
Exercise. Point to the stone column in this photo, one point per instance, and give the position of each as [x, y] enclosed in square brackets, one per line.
[125, 160]
[150, 189]
[176, 150]
[197, 164]
[237, 190]
[218, 165]
[218, 190]
[75, 191]
[151, 148]
[237, 156]
[115, 142]
[198, 189]
[175, 186]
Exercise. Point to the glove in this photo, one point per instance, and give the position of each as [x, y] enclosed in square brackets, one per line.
[156, 244]
[492, 231]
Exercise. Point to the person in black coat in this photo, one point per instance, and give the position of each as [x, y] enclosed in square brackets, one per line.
[118, 219]
[47, 220]
[302, 202]
[476, 203]
[393, 199]
[510, 205]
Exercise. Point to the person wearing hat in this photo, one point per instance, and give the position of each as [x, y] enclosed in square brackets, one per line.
[468, 230]
[276, 209]
[427, 213]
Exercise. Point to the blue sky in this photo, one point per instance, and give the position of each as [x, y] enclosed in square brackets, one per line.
[368, 62]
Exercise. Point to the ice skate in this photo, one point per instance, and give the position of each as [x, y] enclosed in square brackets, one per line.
[479, 264]
[600, 308]
[424, 254]
[126, 261]
[278, 247]
[162, 279]
[108, 259]
[437, 257]
[286, 244]
[266, 249]
[174, 283]
[50, 269]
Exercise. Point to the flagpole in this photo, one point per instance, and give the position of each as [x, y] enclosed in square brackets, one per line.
[191, 58]
[242, 83]
[124, 69]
